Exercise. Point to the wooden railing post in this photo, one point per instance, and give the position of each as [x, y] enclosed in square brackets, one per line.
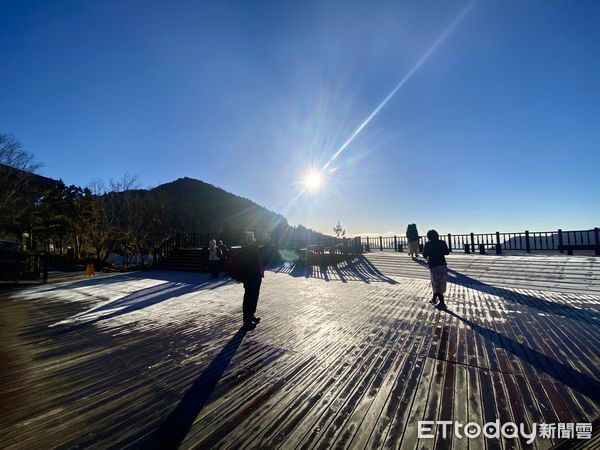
[395, 244]
[450, 242]
[472, 242]
[380, 244]
[560, 241]
[368, 245]
[498, 244]
[597, 241]
[527, 244]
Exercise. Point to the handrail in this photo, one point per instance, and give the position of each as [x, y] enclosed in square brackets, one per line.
[164, 249]
[191, 240]
[497, 242]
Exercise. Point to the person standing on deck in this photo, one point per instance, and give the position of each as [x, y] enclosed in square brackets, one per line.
[435, 251]
[252, 272]
[224, 255]
[412, 236]
[214, 259]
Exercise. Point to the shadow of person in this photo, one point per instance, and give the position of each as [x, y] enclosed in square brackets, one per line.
[420, 261]
[580, 382]
[548, 306]
[172, 431]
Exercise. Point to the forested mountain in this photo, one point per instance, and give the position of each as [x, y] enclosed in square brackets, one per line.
[196, 206]
[130, 221]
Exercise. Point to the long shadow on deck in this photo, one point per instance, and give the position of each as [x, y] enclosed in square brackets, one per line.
[113, 278]
[175, 427]
[590, 316]
[580, 382]
[359, 269]
[139, 299]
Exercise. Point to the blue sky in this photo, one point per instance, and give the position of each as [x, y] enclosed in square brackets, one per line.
[499, 129]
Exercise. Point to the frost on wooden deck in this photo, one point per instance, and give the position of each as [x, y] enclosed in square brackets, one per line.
[352, 356]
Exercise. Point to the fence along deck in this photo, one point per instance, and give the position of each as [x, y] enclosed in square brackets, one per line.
[498, 242]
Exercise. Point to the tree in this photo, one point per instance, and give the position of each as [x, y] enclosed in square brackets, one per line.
[100, 230]
[339, 231]
[64, 213]
[16, 167]
[126, 220]
[82, 215]
[108, 216]
[128, 182]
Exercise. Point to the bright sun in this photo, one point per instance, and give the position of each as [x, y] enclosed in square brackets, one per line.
[313, 181]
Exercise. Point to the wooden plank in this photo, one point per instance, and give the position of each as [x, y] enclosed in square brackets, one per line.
[399, 407]
[345, 364]
[433, 405]
[460, 407]
[408, 435]
[446, 410]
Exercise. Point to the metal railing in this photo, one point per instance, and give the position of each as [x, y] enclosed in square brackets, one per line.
[497, 242]
[192, 241]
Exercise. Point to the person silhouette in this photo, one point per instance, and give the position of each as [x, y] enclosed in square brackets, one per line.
[252, 273]
[224, 256]
[434, 252]
[214, 259]
[412, 237]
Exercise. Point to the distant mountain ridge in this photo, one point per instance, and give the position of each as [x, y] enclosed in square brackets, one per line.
[199, 207]
[186, 205]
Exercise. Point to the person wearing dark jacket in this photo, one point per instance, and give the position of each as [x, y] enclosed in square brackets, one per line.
[252, 269]
[412, 237]
[224, 255]
[214, 259]
[435, 251]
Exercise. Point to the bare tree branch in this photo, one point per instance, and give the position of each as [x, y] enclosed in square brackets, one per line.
[16, 167]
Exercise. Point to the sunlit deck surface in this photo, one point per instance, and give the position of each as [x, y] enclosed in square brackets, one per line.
[349, 357]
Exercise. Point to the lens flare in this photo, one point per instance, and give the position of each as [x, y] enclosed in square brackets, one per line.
[441, 38]
[313, 181]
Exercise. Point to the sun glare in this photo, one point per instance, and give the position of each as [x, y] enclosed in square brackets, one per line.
[313, 181]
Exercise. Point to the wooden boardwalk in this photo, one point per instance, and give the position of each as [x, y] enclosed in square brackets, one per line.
[349, 357]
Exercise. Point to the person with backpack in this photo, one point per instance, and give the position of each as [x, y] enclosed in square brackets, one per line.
[214, 259]
[435, 251]
[251, 273]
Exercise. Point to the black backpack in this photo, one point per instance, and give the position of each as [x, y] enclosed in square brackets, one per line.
[234, 267]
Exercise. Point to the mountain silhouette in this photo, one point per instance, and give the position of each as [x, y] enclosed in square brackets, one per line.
[199, 207]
